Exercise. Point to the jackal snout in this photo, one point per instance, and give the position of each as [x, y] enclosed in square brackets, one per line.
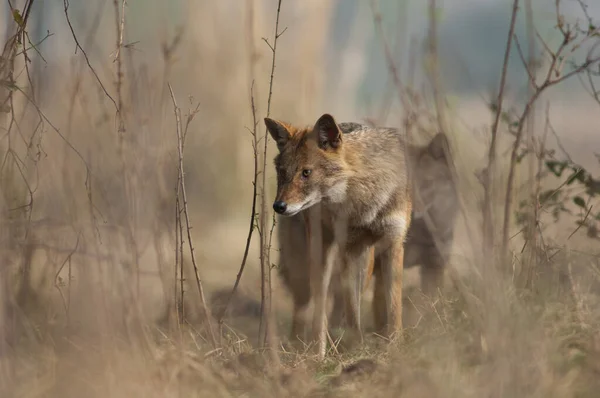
[279, 206]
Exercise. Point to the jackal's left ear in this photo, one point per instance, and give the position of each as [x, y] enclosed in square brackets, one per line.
[328, 132]
[278, 131]
[438, 145]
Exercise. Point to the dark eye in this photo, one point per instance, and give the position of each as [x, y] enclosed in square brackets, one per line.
[306, 173]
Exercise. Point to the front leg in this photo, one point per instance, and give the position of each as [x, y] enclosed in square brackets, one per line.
[355, 264]
[333, 253]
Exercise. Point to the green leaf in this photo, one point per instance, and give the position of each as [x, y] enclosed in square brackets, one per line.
[9, 85]
[593, 186]
[578, 174]
[547, 195]
[556, 167]
[18, 18]
[522, 155]
[591, 29]
[578, 200]
[565, 210]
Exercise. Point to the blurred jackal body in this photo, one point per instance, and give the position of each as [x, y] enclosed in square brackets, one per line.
[357, 176]
[428, 241]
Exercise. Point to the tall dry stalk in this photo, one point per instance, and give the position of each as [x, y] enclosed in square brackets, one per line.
[8, 230]
[253, 207]
[266, 328]
[532, 226]
[184, 207]
[120, 29]
[489, 176]
[179, 301]
[433, 67]
[252, 74]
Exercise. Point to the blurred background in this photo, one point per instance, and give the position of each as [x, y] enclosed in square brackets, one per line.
[88, 193]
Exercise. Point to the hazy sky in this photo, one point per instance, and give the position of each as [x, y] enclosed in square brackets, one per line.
[472, 39]
[472, 36]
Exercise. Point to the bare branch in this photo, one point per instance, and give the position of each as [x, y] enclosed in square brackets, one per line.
[180, 308]
[488, 232]
[268, 44]
[253, 212]
[526, 64]
[266, 327]
[87, 60]
[402, 94]
[207, 312]
[582, 223]
[57, 279]
[120, 25]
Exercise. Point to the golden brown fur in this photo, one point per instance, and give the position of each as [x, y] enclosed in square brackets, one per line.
[435, 203]
[359, 183]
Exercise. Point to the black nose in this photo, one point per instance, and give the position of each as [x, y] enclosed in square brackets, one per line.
[279, 207]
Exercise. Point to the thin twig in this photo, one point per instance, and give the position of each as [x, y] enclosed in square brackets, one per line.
[434, 67]
[532, 235]
[253, 213]
[582, 223]
[66, 303]
[176, 265]
[266, 327]
[87, 60]
[120, 25]
[402, 94]
[488, 232]
[187, 219]
[179, 253]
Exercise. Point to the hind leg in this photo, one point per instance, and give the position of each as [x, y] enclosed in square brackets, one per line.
[432, 274]
[348, 294]
[336, 319]
[356, 267]
[298, 331]
[388, 288]
[378, 304]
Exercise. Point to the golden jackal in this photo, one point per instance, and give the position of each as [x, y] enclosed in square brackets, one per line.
[357, 176]
[429, 237]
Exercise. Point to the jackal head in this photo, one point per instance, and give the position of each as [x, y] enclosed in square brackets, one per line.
[310, 166]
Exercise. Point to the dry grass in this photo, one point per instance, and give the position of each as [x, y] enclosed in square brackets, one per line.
[87, 227]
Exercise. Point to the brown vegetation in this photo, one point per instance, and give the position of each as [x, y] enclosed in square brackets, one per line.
[124, 210]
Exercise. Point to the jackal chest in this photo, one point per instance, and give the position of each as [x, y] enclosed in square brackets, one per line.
[386, 228]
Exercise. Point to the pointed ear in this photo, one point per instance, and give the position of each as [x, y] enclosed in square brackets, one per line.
[278, 131]
[438, 145]
[328, 132]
